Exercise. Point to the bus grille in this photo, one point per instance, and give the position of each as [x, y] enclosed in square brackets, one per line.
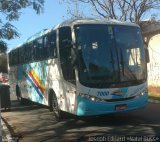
[122, 99]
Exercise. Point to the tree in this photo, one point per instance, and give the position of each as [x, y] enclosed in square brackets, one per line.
[125, 10]
[3, 63]
[10, 10]
[73, 9]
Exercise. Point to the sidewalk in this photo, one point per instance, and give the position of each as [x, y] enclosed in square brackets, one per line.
[6, 135]
[153, 101]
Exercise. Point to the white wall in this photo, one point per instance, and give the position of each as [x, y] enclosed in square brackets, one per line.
[154, 65]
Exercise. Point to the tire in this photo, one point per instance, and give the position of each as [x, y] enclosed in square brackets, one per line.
[23, 101]
[18, 93]
[54, 107]
[20, 99]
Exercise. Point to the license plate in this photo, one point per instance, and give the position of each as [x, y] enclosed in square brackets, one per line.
[120, 107]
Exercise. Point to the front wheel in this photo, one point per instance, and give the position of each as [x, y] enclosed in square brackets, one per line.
[55, 107]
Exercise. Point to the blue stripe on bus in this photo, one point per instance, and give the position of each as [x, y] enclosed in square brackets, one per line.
[35, 87]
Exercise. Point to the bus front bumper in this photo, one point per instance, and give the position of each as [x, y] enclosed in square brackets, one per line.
[86, 107]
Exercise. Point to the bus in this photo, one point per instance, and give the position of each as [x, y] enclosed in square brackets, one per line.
[85, 67]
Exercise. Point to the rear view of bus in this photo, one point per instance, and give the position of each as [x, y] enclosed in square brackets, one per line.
[112, 71]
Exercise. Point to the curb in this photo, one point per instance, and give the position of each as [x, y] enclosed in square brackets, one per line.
[6, 133]
[153, 101]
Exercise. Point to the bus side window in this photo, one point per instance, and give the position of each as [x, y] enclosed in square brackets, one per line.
[65, 53]
[21, 55]
[46, 47]
[38, 44]
[25, 54]
[28, 53]
[13, 57]
[33, 51]
[52, 44]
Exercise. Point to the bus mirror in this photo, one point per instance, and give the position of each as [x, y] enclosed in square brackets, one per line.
[147, 55]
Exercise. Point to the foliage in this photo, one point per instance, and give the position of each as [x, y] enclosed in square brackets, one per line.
[10, 10]
[3, 46]
[125, 10]
[3, 63]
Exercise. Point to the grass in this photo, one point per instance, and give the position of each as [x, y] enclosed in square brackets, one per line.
[154, 92]
[154, 97]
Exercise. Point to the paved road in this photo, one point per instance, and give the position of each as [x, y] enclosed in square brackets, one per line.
[34, 123]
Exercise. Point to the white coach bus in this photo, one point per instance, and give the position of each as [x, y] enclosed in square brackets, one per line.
[85, 67]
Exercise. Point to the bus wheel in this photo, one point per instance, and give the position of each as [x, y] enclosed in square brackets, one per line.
[18, 93]
[19, 96]
[55, 108]
[24, 101]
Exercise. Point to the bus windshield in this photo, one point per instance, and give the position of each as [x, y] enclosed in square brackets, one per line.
[110, 54]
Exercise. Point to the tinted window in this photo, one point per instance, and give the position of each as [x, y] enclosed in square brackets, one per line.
[65, 47]
[21, 55]
[33, 45]
[52, 45]
[38, 49]
[28, 52]
[10, 58]
[46, 47]
[13, 57]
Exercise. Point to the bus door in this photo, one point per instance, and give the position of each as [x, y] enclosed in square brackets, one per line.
[65, 47]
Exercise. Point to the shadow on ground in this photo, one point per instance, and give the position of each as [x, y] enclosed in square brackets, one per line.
[35, 123]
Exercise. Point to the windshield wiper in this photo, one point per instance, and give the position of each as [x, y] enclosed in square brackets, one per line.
[122, 61]
[124, 65]
[112, 61]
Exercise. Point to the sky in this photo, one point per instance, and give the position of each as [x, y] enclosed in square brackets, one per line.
[30, 23]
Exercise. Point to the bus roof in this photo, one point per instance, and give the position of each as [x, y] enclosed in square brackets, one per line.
[73, 22]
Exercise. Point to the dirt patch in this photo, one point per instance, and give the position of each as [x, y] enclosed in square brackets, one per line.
[154, 90]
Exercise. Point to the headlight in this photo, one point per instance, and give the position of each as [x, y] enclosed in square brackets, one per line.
[92, 98]
[141, 94]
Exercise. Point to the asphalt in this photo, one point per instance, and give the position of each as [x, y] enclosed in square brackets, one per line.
[7, 134]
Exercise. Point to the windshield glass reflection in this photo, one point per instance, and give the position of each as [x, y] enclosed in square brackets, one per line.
[129, 44]
[109, 54]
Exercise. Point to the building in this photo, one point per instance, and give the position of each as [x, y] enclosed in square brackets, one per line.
[151, 33]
